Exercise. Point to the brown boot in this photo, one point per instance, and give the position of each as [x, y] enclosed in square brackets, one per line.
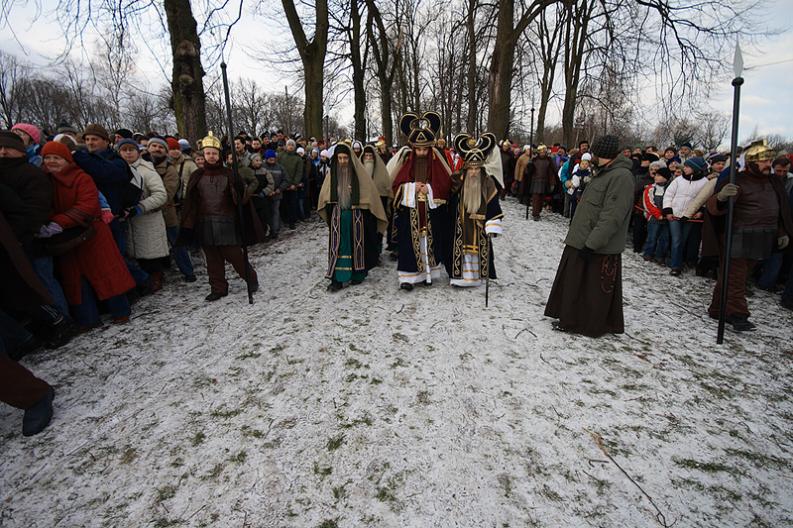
[155, 282]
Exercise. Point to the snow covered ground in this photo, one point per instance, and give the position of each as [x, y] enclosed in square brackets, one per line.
[374, 407]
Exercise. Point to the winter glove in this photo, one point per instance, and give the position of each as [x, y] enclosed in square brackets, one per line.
[49, 230]
[132, 212]
[726, 192]
[586, 254]
[782, 242]
[107, 216]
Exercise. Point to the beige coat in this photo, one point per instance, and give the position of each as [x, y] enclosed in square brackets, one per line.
[520, 166]
[170, 178]
[702, 196]
[147, 238]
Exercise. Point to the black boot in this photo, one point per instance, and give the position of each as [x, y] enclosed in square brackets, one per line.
[334, 286]
[740, 323]
[214, 296]
[62, 333]
[38, 417]
[406, 286]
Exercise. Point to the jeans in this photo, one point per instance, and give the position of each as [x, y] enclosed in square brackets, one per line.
[179, 253]
[657, 243]
[119, 231]
[769, 271]
[44, 269]
[679, 231]
[87, 312]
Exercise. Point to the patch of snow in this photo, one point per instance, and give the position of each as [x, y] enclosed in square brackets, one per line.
[378, 407]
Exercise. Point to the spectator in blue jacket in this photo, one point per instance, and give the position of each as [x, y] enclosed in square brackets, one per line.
[112, 177]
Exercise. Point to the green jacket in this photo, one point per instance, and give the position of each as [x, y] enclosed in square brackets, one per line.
[293, 165]
[602, 217]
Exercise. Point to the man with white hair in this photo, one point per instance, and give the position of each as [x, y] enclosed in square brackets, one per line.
[476, 212]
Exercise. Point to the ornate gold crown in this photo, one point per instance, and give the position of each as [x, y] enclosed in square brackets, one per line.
[211, 142]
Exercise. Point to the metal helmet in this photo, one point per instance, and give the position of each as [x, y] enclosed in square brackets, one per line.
[210, 141]
[759, 151]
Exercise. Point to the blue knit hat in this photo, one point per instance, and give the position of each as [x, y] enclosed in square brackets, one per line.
[269, 153]
[127, 141]
[697, 163]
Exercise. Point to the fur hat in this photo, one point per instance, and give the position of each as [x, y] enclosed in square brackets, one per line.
[31, 130]
[55, 148]
[96, 130]
[606, 146]
[124, 133]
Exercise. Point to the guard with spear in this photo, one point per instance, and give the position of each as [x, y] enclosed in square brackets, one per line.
[751, 212]
[219, 215]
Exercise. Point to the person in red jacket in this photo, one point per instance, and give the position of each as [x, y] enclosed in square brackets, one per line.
[94, 269]
[656, 245]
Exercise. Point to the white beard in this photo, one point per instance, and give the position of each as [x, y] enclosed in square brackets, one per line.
[472, 193]
[369, 166]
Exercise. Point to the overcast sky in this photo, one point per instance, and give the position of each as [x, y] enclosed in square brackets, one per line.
[767, 95]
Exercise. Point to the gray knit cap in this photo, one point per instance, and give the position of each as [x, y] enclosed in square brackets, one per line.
[606, 146]
[158, 141]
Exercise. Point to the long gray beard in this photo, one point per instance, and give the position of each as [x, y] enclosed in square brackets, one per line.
[369, 166]
[343, 187]
[472, 194]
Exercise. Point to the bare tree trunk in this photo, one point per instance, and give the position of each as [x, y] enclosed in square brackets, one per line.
[187, 83]
[575, 37]
[472, 77]
[500, 75]
[501, 66]
[359, 92]
[312, 54]
[550, 43]
[386, 67]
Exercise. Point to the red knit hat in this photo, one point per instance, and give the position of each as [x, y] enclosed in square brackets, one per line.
[56, 148]
[173, 144]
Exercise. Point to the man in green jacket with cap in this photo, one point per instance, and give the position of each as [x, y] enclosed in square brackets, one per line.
[586, 295]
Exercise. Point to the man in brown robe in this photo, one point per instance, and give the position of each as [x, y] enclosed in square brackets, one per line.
[761, 224]
[543, 173]
[586, 295]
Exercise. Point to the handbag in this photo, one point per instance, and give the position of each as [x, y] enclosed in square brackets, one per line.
[67, 240]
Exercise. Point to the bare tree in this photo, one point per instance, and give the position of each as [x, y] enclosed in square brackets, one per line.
[13, 77]
[312, 55]
[713, 128]
[386, 53]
